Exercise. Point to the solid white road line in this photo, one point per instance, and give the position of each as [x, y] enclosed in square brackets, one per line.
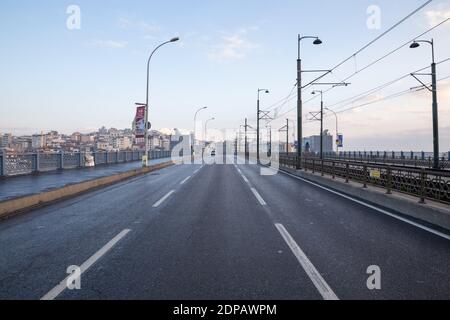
[320, 284]
[185, 180]
[415, 224]
[157, 204]
[258, 196]
[56, 291]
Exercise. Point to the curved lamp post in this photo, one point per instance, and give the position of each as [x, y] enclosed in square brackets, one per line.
[147, 95]
[195, 128]
[206, 127]
[337, 129]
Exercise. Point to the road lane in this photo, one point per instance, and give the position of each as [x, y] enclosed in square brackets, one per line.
[211, 240]
[343, 238]
[37, 247]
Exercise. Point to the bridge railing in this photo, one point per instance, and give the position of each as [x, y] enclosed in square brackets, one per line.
[29, 163]
[409, 159]
[420, 182]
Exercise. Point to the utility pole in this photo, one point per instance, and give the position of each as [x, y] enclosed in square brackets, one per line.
[433, 90]
[246, 143]
[287, 135]
[435, 116]
[321, 129]
[258, 117]
[257, 131]
[299, 109]
[317, 41]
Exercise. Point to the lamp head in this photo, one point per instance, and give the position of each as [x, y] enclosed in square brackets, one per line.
[317, 41]
[174, 39]
[414, 45]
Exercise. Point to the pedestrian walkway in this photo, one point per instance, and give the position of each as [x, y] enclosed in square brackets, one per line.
[15, 187]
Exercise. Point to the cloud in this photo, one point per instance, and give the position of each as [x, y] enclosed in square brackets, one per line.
[109, 44]
[436, 16]
[233, 47]
[138, 25]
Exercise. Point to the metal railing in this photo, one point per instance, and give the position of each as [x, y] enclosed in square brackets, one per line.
[406, 159]
[29, 163]
[420, 182]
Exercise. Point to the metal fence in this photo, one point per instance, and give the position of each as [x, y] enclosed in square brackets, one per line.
[422, 183]
[22, 164]
[406, 159]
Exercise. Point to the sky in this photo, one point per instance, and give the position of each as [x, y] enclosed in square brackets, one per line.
[55, 77]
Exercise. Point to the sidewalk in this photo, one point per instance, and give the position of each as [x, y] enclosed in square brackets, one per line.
[15, 187]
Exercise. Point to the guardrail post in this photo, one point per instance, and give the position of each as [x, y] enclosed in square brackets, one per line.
[314, 166]
[117, 156]
[448, 156]
[38, 161]
[412, 155]
[423, 155]
[61, 160]
[365, 177]
[347, 173]
[422, 186]
[80, 155]
[334, 168]
[389, 181]
[3, 164]
[322, 174]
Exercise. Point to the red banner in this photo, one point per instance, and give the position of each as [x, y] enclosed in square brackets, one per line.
[139, 122]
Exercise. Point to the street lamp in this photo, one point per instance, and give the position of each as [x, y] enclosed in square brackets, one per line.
[266, 91]
[147, 97]
[195, 129]
[414, 45]
[337, 130]
[206, 127]
[316, 41]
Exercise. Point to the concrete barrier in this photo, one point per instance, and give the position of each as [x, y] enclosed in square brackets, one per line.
[431, 212]
[27, 203]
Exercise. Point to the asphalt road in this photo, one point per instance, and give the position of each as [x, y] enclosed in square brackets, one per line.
[218, 232]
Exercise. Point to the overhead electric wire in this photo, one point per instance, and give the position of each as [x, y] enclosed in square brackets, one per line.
[378, 60]
[284, 101]
[376, 39]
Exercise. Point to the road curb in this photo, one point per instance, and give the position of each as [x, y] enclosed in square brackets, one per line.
[24, 204]
[436, 215]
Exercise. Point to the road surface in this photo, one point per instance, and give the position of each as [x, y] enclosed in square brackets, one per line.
[218, 232]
